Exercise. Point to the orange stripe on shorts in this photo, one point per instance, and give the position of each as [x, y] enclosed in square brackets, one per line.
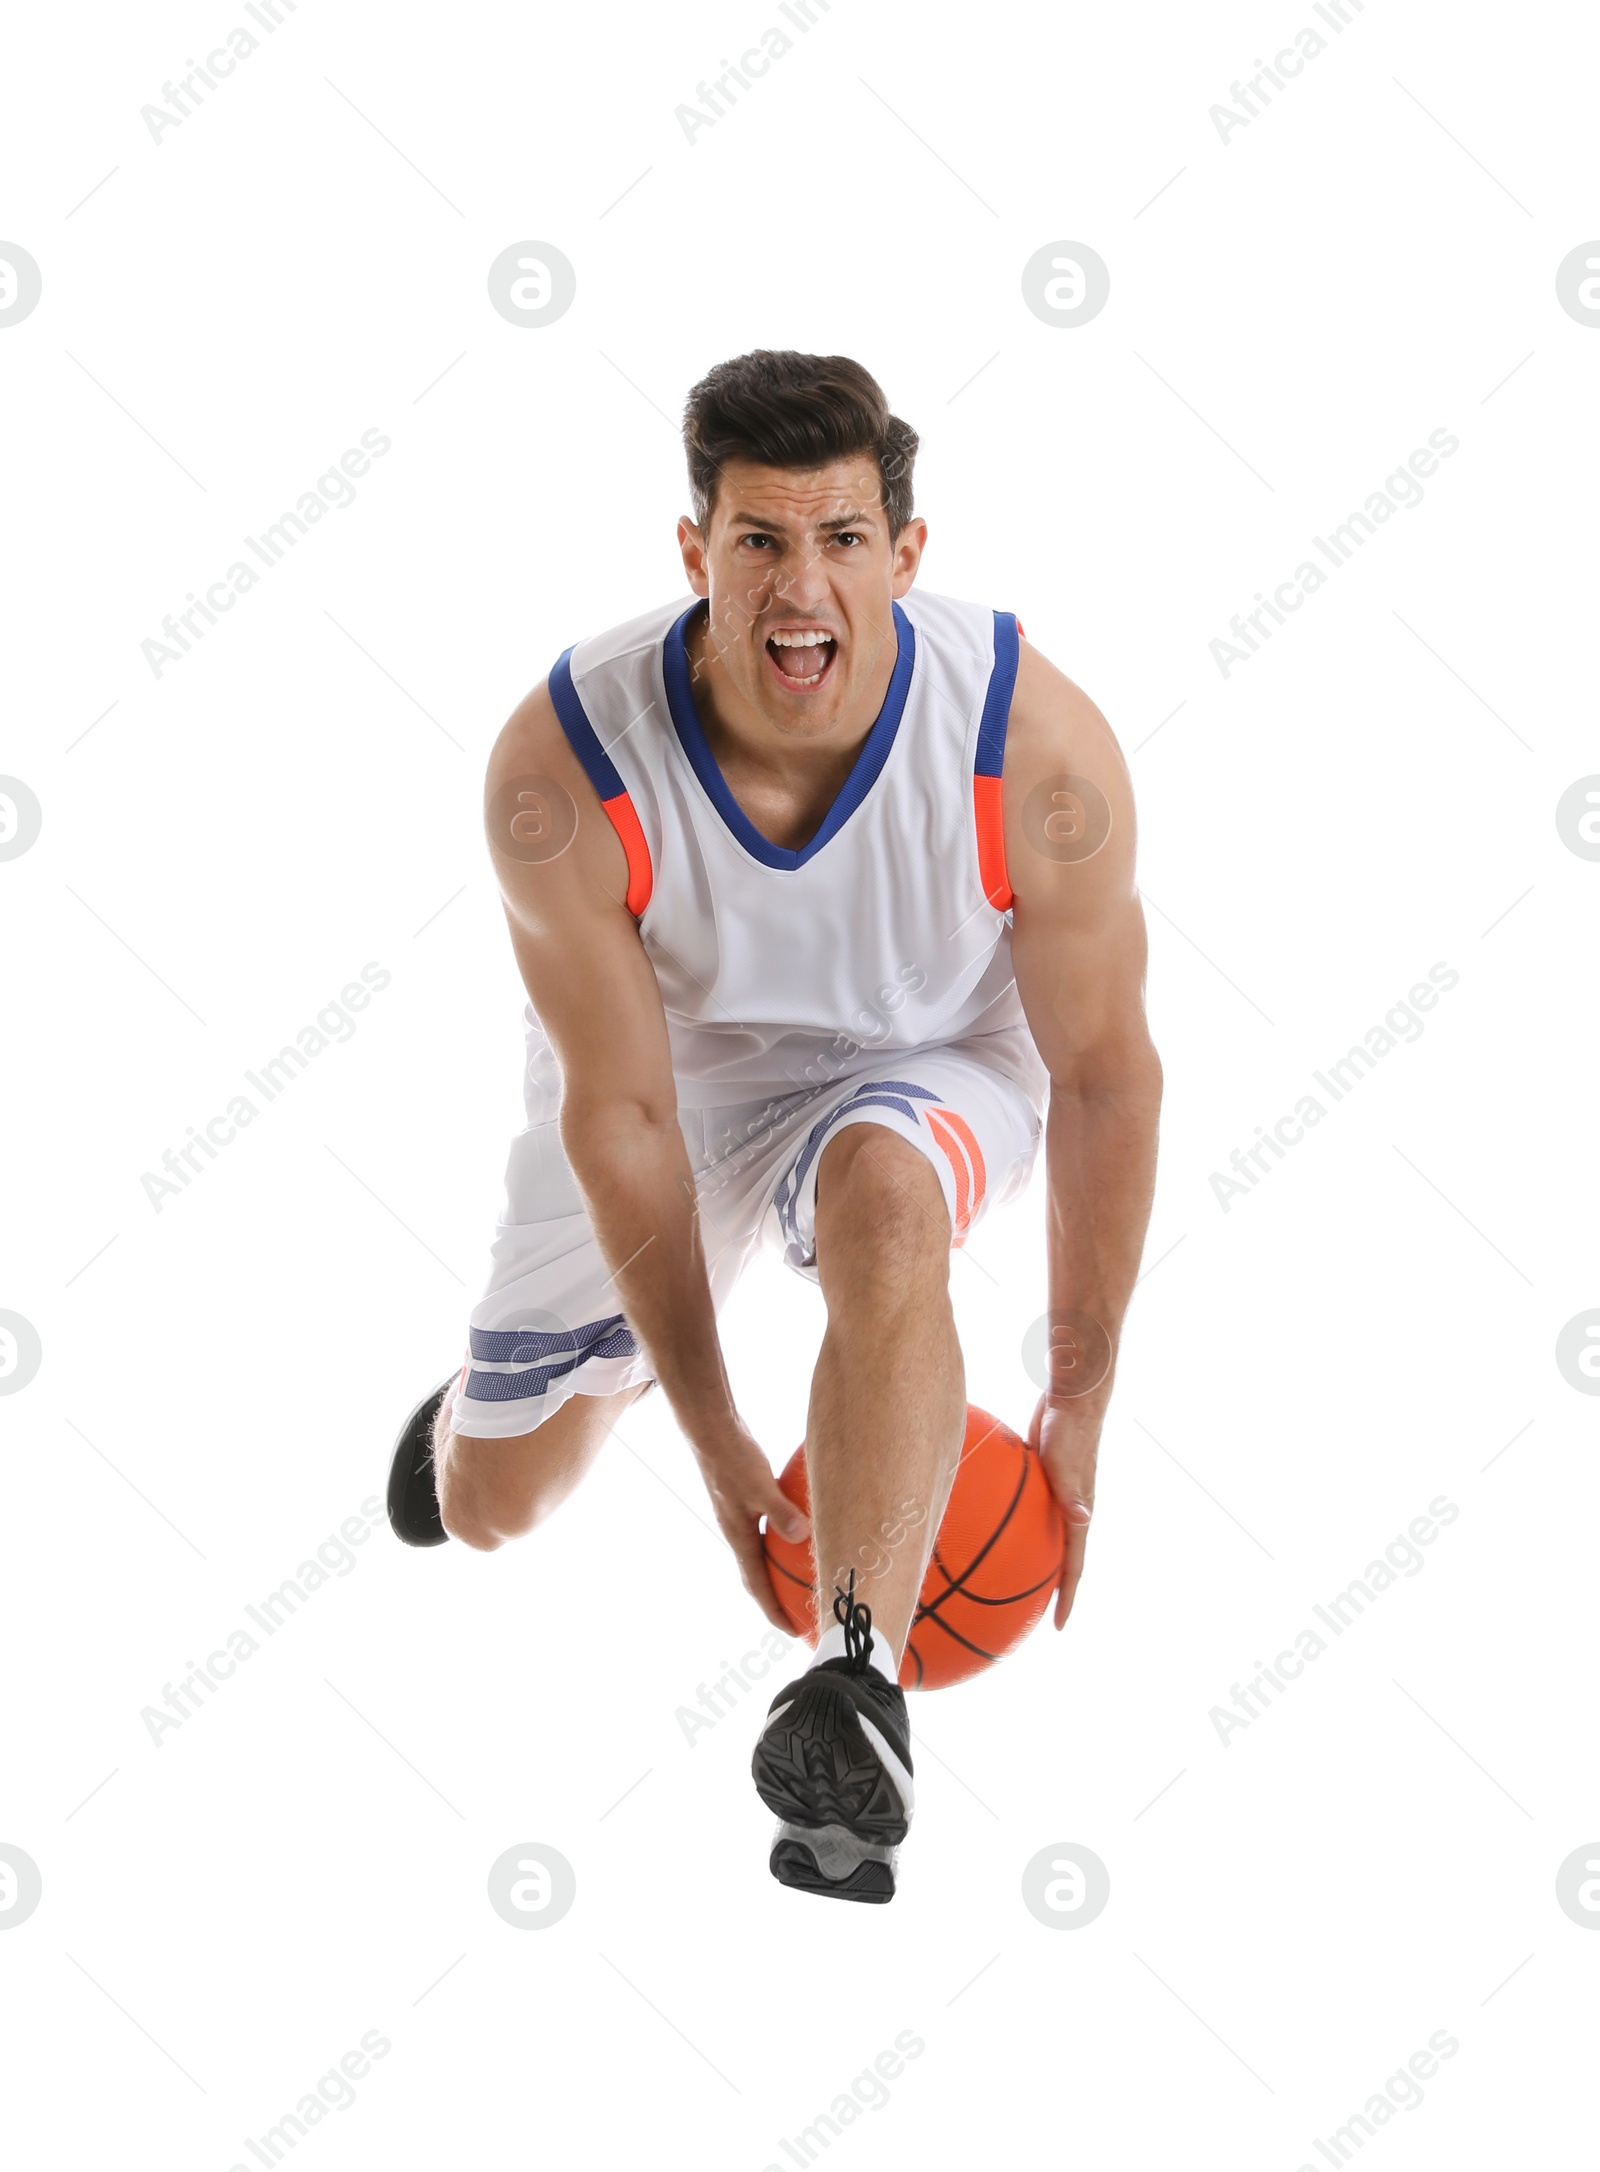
[965, 1157]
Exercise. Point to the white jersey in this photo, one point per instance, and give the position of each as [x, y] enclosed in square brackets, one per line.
[788, 971]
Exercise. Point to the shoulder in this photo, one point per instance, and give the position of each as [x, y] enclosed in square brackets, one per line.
[1067, 798]
[632, 646]
[546, 827]
[566, 727]
[1053, 720]
[552, 788]
[532, 738]
[950, 628]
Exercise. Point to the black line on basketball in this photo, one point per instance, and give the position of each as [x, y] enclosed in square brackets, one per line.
[939, 1622]
[1013, 1598]
[934, 1562]
[779, 1568]
[956, 1583]
[997, 1425]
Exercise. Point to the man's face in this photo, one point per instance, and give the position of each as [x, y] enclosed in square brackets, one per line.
[800, 574]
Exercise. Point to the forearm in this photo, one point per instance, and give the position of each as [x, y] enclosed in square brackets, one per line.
[1100, 1158]
[640, 1193]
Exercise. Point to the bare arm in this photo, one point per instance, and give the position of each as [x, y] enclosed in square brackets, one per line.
[1078, 944]
[595, 993]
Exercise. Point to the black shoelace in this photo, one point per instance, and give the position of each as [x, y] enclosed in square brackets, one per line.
[856, 1621]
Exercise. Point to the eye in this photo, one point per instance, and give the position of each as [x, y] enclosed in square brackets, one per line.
[756, 538]
[849, 535]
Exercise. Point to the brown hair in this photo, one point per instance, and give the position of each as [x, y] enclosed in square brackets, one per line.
[781, 409]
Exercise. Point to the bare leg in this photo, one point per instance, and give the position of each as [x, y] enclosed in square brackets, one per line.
[494, 1490]
[888, 1397]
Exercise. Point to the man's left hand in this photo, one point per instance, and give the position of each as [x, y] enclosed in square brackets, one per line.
[1067, 1436]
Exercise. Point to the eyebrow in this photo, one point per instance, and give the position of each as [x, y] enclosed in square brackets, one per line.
[842, 520]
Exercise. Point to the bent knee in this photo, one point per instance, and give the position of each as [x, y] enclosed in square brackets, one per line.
[487, 1490]
[880, 1205]
[478, 1536]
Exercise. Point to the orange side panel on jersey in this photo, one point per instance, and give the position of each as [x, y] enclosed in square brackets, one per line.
[626, 824]
[991, 842]
[954, 1133]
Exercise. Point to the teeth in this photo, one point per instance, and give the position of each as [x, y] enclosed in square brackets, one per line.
[799, 640]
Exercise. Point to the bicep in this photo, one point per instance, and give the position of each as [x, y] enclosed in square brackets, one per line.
[1078, 933]
[563, 882]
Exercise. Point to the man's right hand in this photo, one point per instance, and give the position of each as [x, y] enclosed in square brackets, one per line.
[743, 1489]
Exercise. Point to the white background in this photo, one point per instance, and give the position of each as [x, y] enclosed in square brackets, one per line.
[223, 847]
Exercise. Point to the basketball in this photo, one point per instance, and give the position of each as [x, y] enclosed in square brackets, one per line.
[994, 1565]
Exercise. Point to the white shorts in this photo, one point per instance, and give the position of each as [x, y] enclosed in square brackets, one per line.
[549, 1325]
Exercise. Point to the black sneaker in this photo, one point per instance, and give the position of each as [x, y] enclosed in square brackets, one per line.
[834, 1762]
[413, 1498]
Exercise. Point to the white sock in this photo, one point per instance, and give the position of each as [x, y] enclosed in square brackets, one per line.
[831, 1646]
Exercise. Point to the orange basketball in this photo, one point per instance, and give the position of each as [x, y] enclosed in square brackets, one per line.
[994, 1565]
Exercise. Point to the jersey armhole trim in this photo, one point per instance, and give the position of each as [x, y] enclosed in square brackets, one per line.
[989, 762]
[603, 774]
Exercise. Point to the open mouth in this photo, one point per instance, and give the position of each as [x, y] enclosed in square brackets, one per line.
[802, 660]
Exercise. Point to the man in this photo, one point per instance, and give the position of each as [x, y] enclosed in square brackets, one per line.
[821, 887]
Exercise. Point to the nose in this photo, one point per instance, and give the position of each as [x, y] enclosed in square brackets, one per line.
[801, 582]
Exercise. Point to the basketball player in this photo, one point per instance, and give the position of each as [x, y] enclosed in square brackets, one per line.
[822, 890]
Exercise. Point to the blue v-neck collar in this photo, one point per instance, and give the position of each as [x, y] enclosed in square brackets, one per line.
[692, 738]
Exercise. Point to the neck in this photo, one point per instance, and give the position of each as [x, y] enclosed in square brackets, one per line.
[740, 732]
[786, 780]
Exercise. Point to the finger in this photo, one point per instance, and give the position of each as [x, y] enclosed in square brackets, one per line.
[751, 1556]
[759, 1585]
[1076, 1516]
[782, 1515]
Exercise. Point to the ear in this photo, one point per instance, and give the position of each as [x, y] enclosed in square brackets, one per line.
[693, 546]
[908, 549]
